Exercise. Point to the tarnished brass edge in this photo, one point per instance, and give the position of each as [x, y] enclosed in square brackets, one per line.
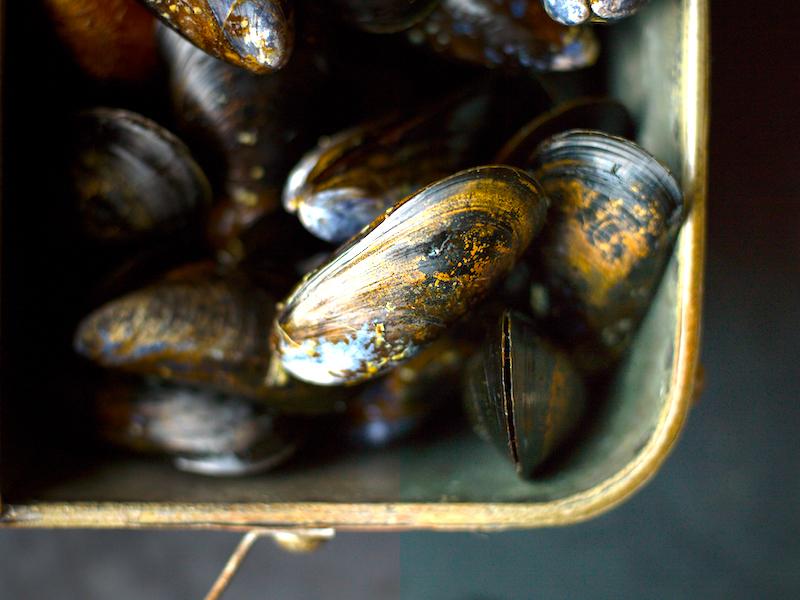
[2, 73]
[479, 516]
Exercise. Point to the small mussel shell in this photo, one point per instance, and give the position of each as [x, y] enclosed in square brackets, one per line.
[204, 431]
[615, 213]
[600, 114]
[109, 39]
[255, 34]
[576, 12]
[383, 16]
[511, 34]
[352, 177]
[252, 129]
[400, 403]
[194, 326]
[132, 178]
[410, 274]
[522, 394]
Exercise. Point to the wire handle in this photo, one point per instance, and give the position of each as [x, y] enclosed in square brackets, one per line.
[291, 541]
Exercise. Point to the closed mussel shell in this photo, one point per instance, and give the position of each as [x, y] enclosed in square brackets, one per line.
[615, 213]
[410, 274]
[203, 431]
[132, 178]
[257, 35]
[400, 403]
[522, 394]
[510, 34]
[109, 39]
[575, 12]
[251, 129]
[352, 177]
[196, 325]
[383, 16]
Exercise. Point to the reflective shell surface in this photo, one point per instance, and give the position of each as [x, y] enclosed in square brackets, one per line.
[410, 274]
[615, 213]
[257, 35]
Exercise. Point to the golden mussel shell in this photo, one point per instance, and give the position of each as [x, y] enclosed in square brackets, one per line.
[109, 39]
[132, 178]
[576, 12]
[257, 35]
[406, 277]
[196, 325]
[202, 430]
[615, 213]
[509, 34]
[353, 176]
[522, 394]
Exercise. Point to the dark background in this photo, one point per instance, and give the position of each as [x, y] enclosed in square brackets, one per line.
[719, 521]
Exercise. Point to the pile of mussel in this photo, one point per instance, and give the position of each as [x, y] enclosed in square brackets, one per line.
[492, 246]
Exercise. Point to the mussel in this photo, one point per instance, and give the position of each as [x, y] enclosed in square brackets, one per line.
[516, 35]
[522, 394]
[576, 12]
[601, 114]
[257, 35]
[615, 213]
[352, 177]
[132, 178]
[406, 277]
[400, 403]
[252, 129]
[203, 431]
[383, 16]
[197, 325]
[109, 39]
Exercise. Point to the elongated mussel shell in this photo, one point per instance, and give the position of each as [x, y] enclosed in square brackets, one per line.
[132, 178]
[194, 326]
[511, 34]
[352, 177]
[522, 394]
[410, 274]
[600, 114]
[576, 12]
[401, 402]
[203, 431]
[109, 39]
[254, 34]
[252, 128]
[615, 215]
[383, 16]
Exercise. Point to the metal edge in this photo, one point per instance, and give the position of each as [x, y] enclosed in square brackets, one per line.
[2, 108]
[478, 516]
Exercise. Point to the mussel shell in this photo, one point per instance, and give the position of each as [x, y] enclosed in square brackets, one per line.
[576, 12]
[509, 34]
[383, 16]
[132, 178]
[523, 394]
[352, 177]
[615, 213]
[600, 114]
[410, 274]
[109, 39]
[203, 431]
[196, 326]
[252, 129]
[401, 402]
[257, 35]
